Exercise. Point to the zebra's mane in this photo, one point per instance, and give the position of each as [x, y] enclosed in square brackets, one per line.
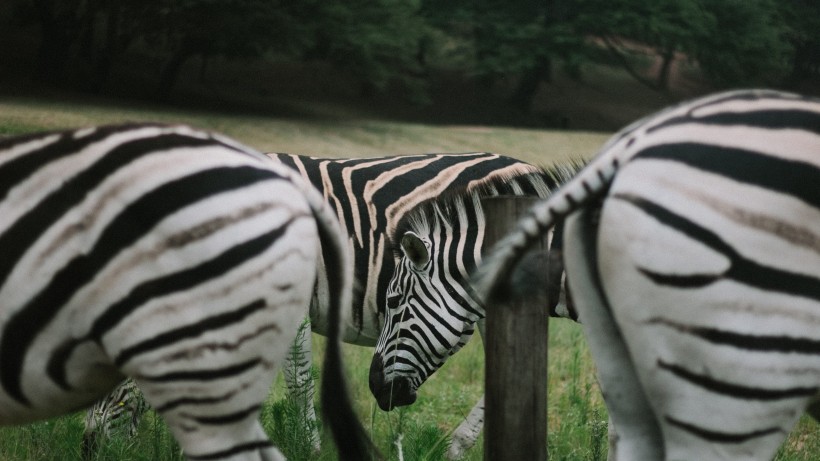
[445, 209]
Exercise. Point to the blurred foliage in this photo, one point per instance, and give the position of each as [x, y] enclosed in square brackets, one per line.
[397, 42]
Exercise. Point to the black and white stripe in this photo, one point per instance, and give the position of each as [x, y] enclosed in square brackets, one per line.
[431, 312]
[138, 251]
[692, 246]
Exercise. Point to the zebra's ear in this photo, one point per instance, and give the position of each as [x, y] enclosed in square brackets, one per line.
[415, 249]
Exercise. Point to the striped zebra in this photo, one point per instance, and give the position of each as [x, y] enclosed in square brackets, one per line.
[139, 251]
[120, 410]
[700, 295]
[370, 197]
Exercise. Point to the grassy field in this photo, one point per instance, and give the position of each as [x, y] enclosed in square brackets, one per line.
[577, 417]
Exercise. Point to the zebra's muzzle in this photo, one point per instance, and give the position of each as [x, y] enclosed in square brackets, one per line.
[389, 394]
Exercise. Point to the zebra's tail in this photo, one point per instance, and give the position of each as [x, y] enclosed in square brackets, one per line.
[351, 439]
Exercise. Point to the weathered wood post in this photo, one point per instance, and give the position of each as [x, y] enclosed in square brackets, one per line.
[516, 351]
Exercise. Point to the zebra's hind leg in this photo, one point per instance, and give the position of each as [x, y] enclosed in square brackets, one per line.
[638, 434]
[709, 351]
[211, 394]
[214, 424]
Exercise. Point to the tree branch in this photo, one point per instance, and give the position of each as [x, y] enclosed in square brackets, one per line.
[613, 48]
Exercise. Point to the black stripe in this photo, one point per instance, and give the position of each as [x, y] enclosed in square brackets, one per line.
[721, 437]
[171, 404]
[772, 119]
[789, 177]
[21, 168]
[193, 330]
[211, 374]
[235, 450]
[131, 224]
[741, 270]
[735, 390]
[224, 419]
[679, 280]
[471, 234]
[764, 343]
[289, 161]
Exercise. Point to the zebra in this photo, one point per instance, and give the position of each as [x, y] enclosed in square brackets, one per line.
[371, 196]
[693, 254]
[138, 250]
[122, 408]
[431, 312]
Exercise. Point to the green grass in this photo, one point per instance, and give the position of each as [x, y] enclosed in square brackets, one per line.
[577, 416]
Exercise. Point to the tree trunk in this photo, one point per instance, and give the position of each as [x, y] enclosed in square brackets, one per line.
[667, 58]
[55, 43]
[524, 93]
[112, 47]
[170, 72]
[614, 49]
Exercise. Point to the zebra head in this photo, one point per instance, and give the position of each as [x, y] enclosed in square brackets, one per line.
[430, 312]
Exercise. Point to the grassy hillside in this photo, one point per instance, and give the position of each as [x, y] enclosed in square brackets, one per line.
[321, 137]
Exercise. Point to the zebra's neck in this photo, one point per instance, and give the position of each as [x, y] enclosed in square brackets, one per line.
[454, 224]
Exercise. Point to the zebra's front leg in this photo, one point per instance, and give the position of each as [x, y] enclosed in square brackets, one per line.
[300, 382]
[466, 434]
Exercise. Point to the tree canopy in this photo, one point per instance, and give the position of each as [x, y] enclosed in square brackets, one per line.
[397, 42]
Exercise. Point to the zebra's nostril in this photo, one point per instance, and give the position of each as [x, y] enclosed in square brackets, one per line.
[376, 378]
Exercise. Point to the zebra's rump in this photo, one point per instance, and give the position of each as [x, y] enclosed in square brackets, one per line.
[728, 274]
[131, 250]
[709, 255]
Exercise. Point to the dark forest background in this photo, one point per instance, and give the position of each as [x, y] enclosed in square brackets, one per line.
[550, 63]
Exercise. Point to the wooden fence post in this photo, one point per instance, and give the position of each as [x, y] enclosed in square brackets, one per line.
[516, 352]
